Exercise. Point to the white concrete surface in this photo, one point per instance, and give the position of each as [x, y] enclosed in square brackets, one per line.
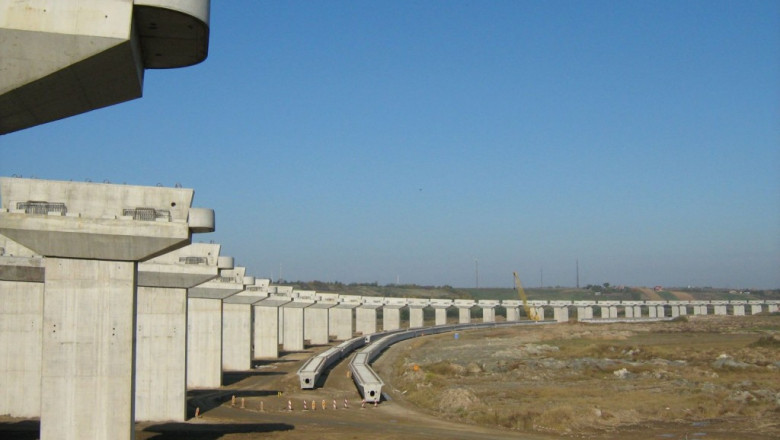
[88, 357]
[161, 354]
[266, 327]
[204, 343]
[21, 323]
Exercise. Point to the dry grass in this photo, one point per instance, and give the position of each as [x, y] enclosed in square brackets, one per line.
[588, 379]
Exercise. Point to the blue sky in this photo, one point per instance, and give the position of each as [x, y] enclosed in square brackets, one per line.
[402, 141]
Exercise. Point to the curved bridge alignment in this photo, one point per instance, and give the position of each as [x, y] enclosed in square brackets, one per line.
[369, 383]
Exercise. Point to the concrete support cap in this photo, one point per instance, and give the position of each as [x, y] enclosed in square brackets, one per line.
[201, 220]
[225, 262]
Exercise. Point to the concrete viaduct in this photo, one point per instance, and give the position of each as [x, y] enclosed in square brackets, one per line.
[109, 312]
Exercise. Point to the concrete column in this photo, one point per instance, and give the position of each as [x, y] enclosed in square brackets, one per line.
[416, 312]
[540, 312]
[675, 310]
[391, 318]
[772, 308]
[294, 325]
[342, 322]
[584, 312]
[440, 310]
[416, 317]
[464, 310]
[365, 315]
[512, 309]
[237, 332]
[720, 309]
[266, 326]
[629, 311]
[739, 309]
[316, 323]
[440, 316]
[464, 315]
[755, 309]
[637, 311]
[88, 352]
[238, 326]
[365, 320]
[21, 323]
[488, 309]
[92, 236]
[391, 313]
[161, 354]
[561, 313]
[652, 311]
[204, 343]
[161, 330]
[205, 328]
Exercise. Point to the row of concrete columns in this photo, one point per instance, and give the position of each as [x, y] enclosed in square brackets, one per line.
[109, 314]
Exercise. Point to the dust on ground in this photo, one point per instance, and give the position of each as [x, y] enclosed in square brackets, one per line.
[707, 378]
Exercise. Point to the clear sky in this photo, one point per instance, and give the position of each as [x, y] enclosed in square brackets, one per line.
[405, 141]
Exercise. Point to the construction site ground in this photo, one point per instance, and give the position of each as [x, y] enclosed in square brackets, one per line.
[707, 378]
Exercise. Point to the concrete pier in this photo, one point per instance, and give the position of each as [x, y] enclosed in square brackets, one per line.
[512, 307]
[720, 307]
[316, 318]
[204, 327]
[342, 324]
[464, 310]
[391, 313]
[738, 307]
[365, 315]
[238, 327]
[488, 307]
[21, 324]
[440, 307]
[266, 328]
[161, 328]
[294, 324]
[608, 309]
[92, 236]
[416, 312]
[560, 310]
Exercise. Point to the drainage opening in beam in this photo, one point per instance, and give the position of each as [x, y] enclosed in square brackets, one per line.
[372, 393]
[307, 380]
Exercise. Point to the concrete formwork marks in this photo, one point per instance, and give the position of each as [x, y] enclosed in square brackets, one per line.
[161, 343]
[204, 343]
[21, 323]
[88, 349]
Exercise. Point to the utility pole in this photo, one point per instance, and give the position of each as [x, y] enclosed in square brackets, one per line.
[476, 271]
[578, 273]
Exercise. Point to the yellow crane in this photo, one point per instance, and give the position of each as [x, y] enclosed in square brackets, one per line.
[529, 311]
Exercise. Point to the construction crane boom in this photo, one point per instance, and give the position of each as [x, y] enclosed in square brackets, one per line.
[529, 311]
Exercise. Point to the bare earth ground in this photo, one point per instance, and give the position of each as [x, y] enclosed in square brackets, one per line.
[710, 378]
